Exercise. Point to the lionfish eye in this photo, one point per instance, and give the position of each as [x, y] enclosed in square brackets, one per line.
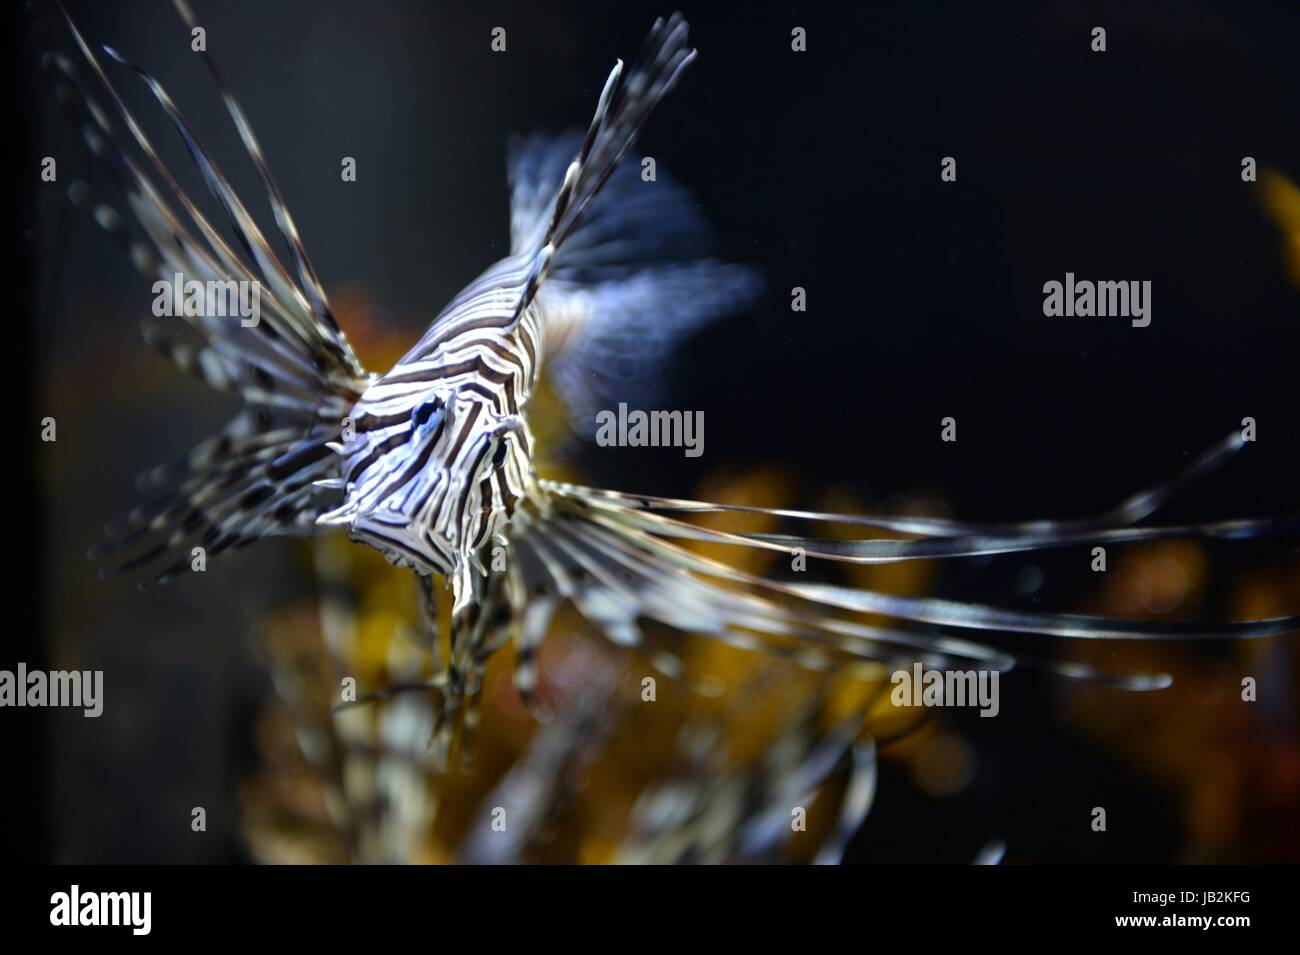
[425, 410]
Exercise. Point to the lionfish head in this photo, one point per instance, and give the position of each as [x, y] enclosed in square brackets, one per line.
[428, 475]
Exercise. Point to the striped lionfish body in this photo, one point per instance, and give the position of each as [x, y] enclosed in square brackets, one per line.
[432, 462]
[439, 453]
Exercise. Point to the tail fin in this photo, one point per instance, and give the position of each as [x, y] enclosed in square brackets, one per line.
[293, 368]
[620, 113]
[634, 279]
[634, 274]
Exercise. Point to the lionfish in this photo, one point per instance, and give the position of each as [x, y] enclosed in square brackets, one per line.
[432, 462]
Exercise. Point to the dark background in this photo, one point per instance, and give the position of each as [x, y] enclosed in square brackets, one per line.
[924, 300]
